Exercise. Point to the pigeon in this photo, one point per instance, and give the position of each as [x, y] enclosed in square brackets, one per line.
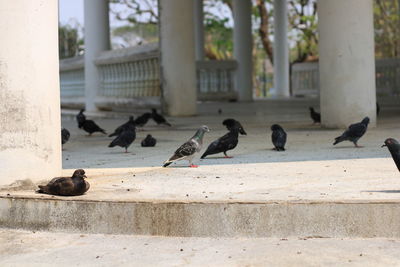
[394, 149]
[227, 142]
[354, 132]
[143, 119]
[91, 127]
[149, 141]
[158, 118]
[66, 186]
[378, 109]
[315, 116]
[125, 139]
[123, 127]
[278, 137]
[80, 118]
[232, 123]
[188, 150]
[64, 136]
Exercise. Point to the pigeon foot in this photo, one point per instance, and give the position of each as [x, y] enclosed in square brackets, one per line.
[193, 166]
[228, 157]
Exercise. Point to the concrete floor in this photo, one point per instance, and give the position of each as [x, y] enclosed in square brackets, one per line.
[310, 169]
[26, 248]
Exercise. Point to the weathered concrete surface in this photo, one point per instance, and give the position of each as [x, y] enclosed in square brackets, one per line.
[22, 248]
[29, 90]
[311, 189]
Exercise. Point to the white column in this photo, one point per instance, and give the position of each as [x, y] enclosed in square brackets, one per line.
[281, 49]
[242, 48]
[30, 137]
[97, 39]
[199, 29]
[347, 62]
[178, 57]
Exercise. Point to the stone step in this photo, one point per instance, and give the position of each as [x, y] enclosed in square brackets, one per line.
[339, 219]
[27, 248]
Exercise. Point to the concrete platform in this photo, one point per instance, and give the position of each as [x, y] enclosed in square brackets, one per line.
[24, 248]
[312, 189]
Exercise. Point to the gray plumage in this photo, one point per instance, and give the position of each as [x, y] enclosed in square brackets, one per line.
[188, 150]
[232, 123]
[91, 127]
[227, 142]
[278, 137]
[394, 149]
[80, 118]
[125, 139]
[149, 141]
[64, 135]
[123, 127]
[354, 132]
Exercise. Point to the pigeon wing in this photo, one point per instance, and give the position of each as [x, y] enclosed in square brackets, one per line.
[185, 150]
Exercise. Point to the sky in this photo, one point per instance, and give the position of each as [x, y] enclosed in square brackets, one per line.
[71, 11]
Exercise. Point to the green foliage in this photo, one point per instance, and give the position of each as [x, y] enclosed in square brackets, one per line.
[387, 28]
[69, 42]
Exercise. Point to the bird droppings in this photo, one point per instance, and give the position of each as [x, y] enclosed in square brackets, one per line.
[181, 249]
[298, 252]
[128, 189]
[187, 195]
[217, 177]
[97, 257]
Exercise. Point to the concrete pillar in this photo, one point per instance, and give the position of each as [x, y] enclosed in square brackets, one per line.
[97, 39]
[199, 29]
[281, 49]
[347, 62]
[178, 68]
[30, 138]
[242, 48]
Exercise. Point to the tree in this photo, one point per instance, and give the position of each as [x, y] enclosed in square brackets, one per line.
[387, 28]
[69, 43]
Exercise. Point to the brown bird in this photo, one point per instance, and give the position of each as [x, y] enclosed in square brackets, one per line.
[66, 186]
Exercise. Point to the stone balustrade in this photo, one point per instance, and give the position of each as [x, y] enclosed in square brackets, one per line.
[305, 78]
[130, 77]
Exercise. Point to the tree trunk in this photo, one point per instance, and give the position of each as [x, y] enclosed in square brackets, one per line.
[263, 30]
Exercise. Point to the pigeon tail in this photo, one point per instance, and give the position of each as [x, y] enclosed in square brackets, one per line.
[338, 139]
[204, 155]
[167, 163]
[104, 132]
[167, 123]
[42, 189]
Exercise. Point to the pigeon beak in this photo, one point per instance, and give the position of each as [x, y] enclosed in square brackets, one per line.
[384, 145]
[84, 176]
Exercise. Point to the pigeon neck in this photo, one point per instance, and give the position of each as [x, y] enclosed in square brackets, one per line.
[199, 135]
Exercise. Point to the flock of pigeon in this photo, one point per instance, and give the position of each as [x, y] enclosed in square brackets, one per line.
[126, 134]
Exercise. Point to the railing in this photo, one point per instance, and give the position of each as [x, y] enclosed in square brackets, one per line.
[305, 77]
[131, 76]
[72, 81]
[215, 80]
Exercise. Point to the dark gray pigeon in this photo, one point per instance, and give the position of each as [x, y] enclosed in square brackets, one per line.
[143, 119]
[149, 141]
[66, 186]
[80, 118]
[125, 139]
[123, 127]
[232, 123]
[278, 137]
[315, 116]
[188, 150]
[158, 118]
[227, 142]
[90, 127]
[394, 149]
[64, 136]
[354, 132]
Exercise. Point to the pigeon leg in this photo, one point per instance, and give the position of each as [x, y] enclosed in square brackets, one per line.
[193, 166]
[226, 156]
[126, 150]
